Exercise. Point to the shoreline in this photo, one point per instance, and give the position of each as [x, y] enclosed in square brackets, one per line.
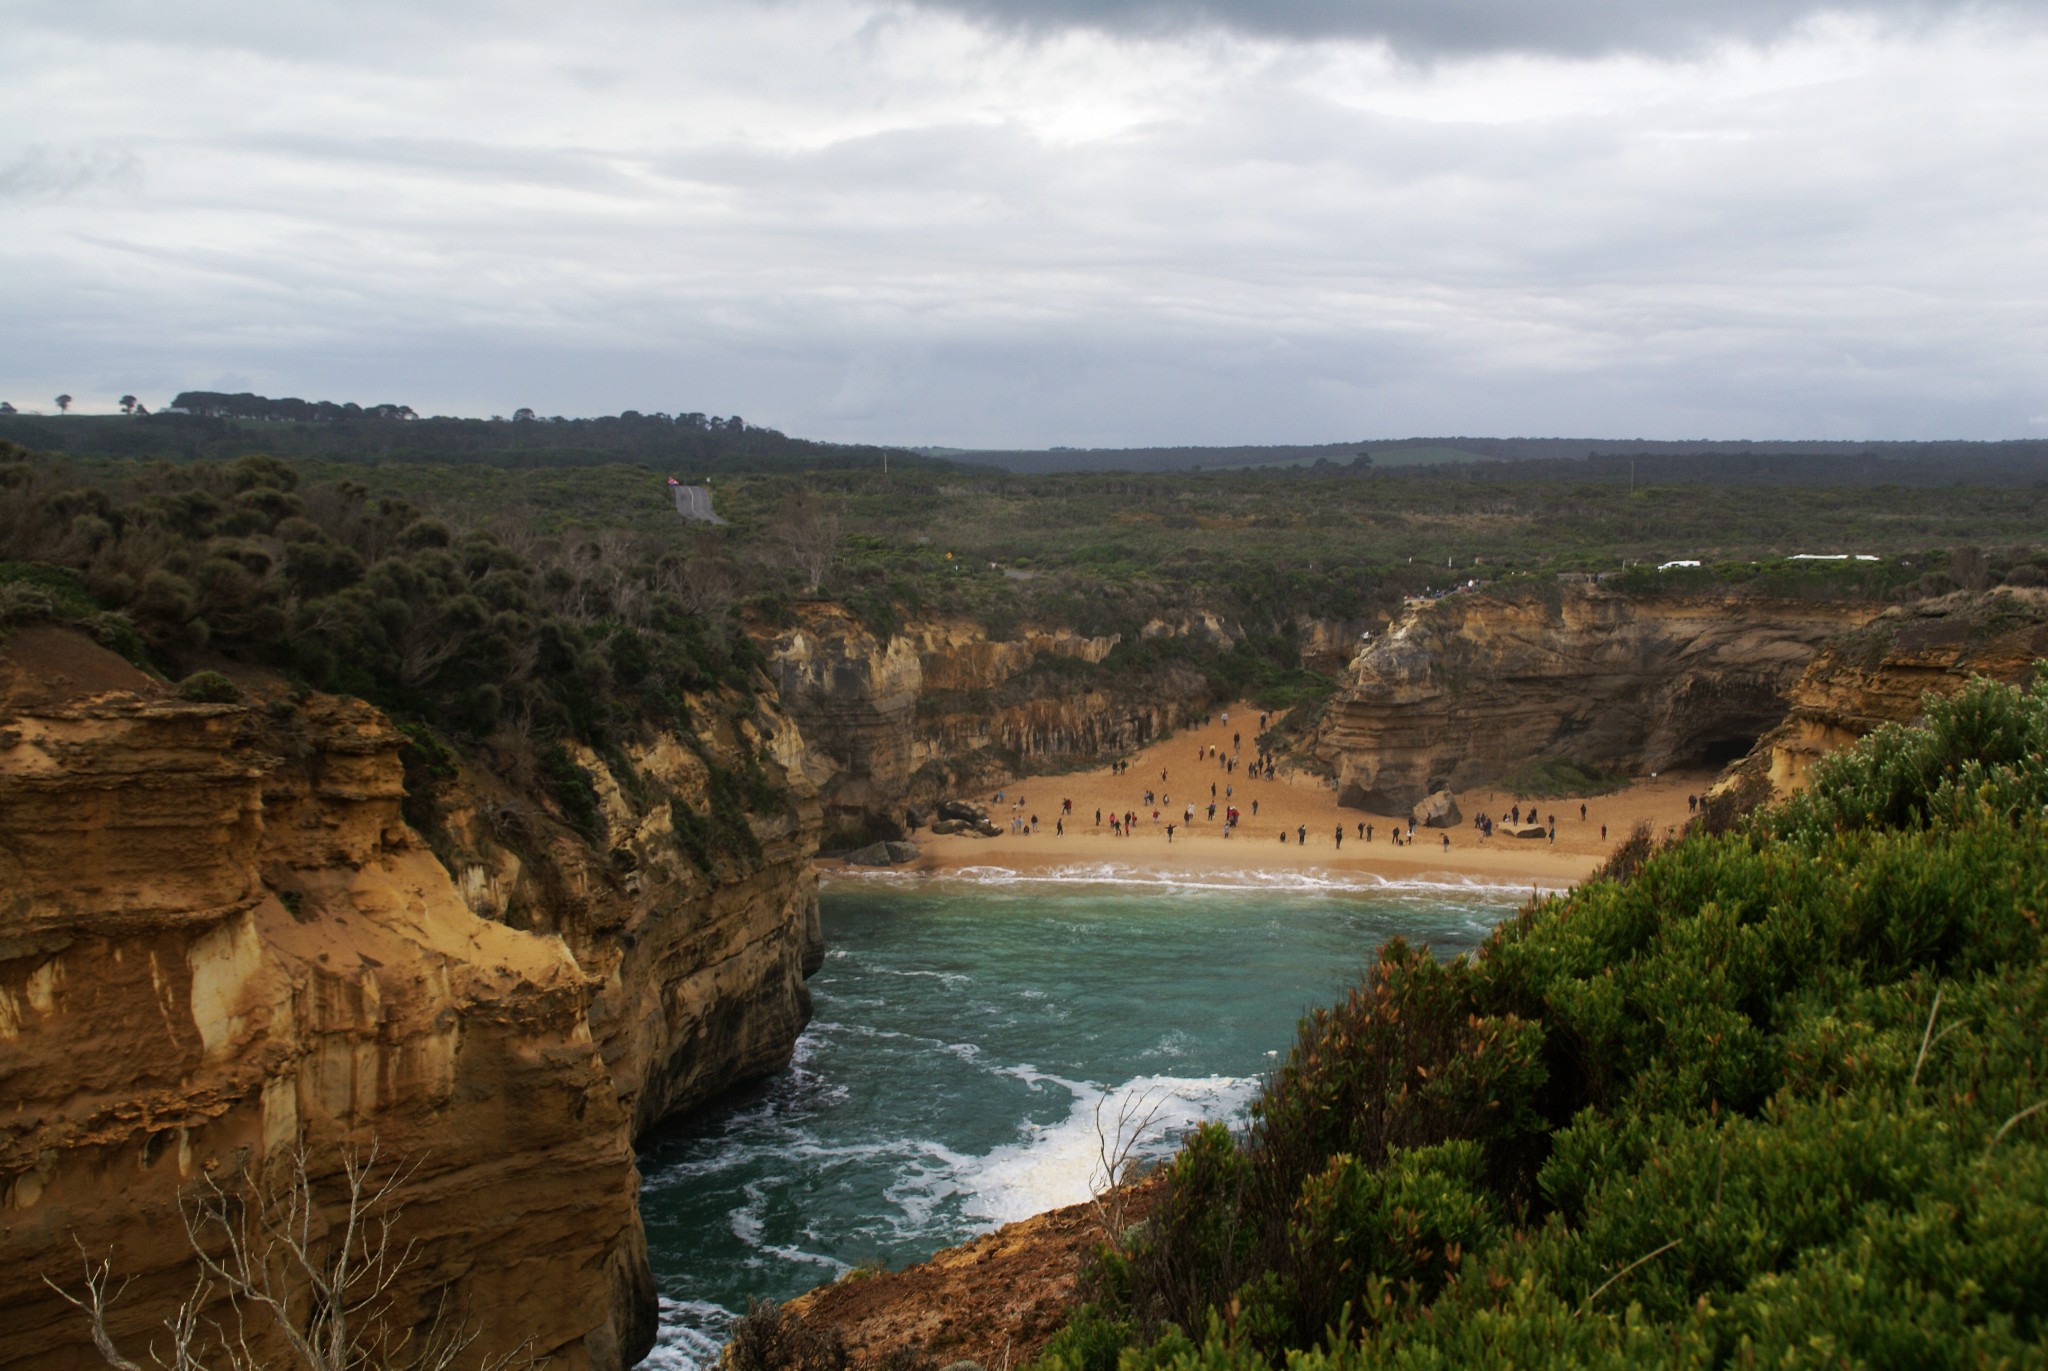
[1069, 846]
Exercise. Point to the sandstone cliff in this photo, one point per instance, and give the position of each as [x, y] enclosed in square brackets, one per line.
[219, 939]
[1880, 675]
[914, 715]
[700, 965]
[1463, 688]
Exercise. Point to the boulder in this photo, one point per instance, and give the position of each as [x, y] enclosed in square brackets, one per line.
[1526, 831]
[882, 854]
[989, 830]
[946, 827]
[913, 819]
[1438, 810]
[962, 809]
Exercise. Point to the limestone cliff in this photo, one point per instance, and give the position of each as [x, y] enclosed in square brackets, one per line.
[1463, 688]
[219, 939]
[700, 962]
[1882, 673]
[913, 715]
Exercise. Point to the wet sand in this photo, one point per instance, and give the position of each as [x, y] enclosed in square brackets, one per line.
[1293, 804]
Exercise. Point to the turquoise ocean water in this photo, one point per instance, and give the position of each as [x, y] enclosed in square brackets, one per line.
[966, 1030]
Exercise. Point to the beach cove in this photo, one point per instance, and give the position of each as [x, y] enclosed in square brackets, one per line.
[1072, 845]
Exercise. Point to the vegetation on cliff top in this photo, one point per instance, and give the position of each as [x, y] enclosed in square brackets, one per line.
[1275, 556]
[575, 639]
[1781, 1098]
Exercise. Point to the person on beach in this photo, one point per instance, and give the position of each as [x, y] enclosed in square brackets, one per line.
[1368, 832]
[1340, 837]
[1301, 834]
[1582, 814]
[1447, 842]
[1059, 828]
[1098, 818]
[1169, 835]
[1361, 829]
[1255, 807]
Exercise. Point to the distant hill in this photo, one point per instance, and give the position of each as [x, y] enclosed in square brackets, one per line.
[1804, 463]
[204, 425]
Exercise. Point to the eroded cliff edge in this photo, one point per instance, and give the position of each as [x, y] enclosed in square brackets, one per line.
[1463, 688]
[1882, 674]
[221, 940]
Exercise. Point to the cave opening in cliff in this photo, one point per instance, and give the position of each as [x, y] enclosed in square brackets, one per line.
[1722, 752]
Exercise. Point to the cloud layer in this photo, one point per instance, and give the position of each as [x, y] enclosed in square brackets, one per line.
[915, 223]
[1432, 29]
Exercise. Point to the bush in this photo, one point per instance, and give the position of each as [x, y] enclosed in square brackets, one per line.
[769, 1337]
[1773, 1099]
[1554, 778]
[209, 687]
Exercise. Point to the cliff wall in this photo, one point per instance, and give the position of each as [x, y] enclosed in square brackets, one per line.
[941, 707]
[699, 961]
[1882, 674]
[1463, 688]
[220, 941]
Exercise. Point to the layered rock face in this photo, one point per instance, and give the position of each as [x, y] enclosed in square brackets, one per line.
[700, 973]
[1883, 674]
[221, 942]
[1463, 688]
[908, 718]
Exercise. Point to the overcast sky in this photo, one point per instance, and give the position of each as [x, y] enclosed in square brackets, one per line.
[1030, 222]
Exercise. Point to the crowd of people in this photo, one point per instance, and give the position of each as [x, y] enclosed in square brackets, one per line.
[1234, 774]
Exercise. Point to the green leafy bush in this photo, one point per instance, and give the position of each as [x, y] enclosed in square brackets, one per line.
[1775, 1099]
[209, 687]
[1553, 778]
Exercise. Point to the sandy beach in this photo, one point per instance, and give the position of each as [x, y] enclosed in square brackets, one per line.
[1072, 842]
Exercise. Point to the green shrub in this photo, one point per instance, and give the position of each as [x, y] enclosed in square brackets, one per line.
[573, 791]
[1553, 778]
[1774, 1099]
[209, 687]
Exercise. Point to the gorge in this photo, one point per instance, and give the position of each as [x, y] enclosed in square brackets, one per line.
[229, 911]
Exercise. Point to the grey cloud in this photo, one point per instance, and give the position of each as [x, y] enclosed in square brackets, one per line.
[1259, 248]
[1430, 29]
[42, 170]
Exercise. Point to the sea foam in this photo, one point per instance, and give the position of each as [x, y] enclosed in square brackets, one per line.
[1066, 1162]
[1280, 880]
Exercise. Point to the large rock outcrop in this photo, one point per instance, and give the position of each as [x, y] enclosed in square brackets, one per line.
[909, 717]
[1883, 673]
[221, 941]
[700, 960]
[1463, 688]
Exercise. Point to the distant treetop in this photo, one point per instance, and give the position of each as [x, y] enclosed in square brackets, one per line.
[214, 405]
